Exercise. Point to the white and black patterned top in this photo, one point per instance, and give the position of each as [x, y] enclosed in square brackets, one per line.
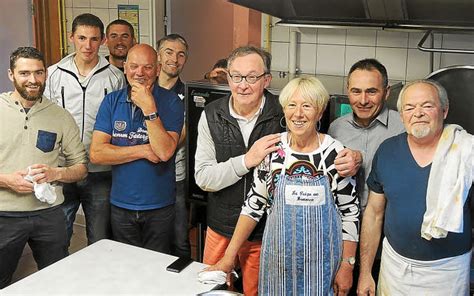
[267, 174]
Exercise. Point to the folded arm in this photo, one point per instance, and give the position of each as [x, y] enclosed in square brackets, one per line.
[103, 152]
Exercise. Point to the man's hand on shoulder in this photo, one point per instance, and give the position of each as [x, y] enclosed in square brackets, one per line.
[348, 162]
[261, 148]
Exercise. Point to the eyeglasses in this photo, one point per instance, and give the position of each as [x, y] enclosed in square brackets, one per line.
[251, 79]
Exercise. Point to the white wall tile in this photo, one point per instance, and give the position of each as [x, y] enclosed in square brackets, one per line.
[114, 3]
[333, 84]
[279, 56]
[331, 36]
[145, 39]
[458, 41]
[143, 4]
[113, 14]
[330, 60]
[144, 19]
[68, 3]
[306, 61]
[78, 11]
[361, 37]
[394, 59]
[103, 51]
[356, 53]
[418, 64]
[308, 35]
[103, 14]
[451, 59]
[280, 33]
[100, 4]
[437, 61]
[415, 37]
[264, 28]
[392, 39]
[81, 3]
[69, 18]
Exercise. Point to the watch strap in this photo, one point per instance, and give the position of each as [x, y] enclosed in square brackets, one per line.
[351, 260]
[151, 116]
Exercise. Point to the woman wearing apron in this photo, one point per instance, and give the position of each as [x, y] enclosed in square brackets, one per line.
[312, 226]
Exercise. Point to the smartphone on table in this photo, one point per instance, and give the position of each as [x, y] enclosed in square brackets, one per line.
[179, 264]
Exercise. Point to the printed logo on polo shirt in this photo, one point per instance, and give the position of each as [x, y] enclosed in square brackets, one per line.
[135, 137]
[120, 125]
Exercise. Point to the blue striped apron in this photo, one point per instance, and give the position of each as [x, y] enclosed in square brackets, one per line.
[302, 242]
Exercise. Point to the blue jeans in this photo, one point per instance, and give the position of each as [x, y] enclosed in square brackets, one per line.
[181, 246]
[150, 229]
[94, 194]
[43, 230]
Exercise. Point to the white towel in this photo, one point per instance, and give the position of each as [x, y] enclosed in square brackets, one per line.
[451, 177]
[44, 192]
[216, 277]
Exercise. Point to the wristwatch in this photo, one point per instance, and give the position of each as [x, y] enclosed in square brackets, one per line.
[350, 260]
[151, 116]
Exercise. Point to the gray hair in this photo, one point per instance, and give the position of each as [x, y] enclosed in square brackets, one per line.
[246, 50]
[442, 94]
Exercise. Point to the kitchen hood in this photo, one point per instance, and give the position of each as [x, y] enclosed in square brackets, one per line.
[439, 15]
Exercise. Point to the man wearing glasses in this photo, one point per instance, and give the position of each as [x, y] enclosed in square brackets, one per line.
[235, 134]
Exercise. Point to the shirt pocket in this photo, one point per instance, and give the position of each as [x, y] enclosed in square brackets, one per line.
[46, 141]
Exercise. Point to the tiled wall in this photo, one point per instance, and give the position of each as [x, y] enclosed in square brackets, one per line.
[106, 10]
[331, 52]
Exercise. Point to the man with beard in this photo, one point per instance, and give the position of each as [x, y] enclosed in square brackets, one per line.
[420, 190]
[33, 133]
[120, 37]
[172, 55]
[79, 83]
[137, 132]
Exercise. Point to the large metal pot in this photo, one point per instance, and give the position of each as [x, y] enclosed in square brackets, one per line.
[459, 83]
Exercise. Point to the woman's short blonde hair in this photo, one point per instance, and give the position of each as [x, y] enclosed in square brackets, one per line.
[307, 87]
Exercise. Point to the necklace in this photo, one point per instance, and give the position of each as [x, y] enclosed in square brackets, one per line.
[78, 71]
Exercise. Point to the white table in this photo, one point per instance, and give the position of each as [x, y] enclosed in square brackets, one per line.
[109, 267]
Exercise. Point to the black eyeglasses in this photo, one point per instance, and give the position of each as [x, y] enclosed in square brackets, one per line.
[251, 79]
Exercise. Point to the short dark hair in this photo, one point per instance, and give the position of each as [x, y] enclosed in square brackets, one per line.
[89, 20]
[121, 22]
[370, 65]
[173, 37]
[27, 53]
[250, 49]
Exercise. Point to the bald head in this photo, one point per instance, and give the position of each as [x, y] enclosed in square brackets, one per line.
[141, 63]
[142, 50]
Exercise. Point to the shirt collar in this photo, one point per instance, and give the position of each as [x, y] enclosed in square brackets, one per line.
[239, 117]
[382, 118]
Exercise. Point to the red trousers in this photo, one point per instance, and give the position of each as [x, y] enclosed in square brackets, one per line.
[248, 258]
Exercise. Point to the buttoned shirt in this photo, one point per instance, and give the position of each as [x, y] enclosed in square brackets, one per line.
[366, 140]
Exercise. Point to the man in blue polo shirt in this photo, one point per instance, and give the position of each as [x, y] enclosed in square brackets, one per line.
[137, 130]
